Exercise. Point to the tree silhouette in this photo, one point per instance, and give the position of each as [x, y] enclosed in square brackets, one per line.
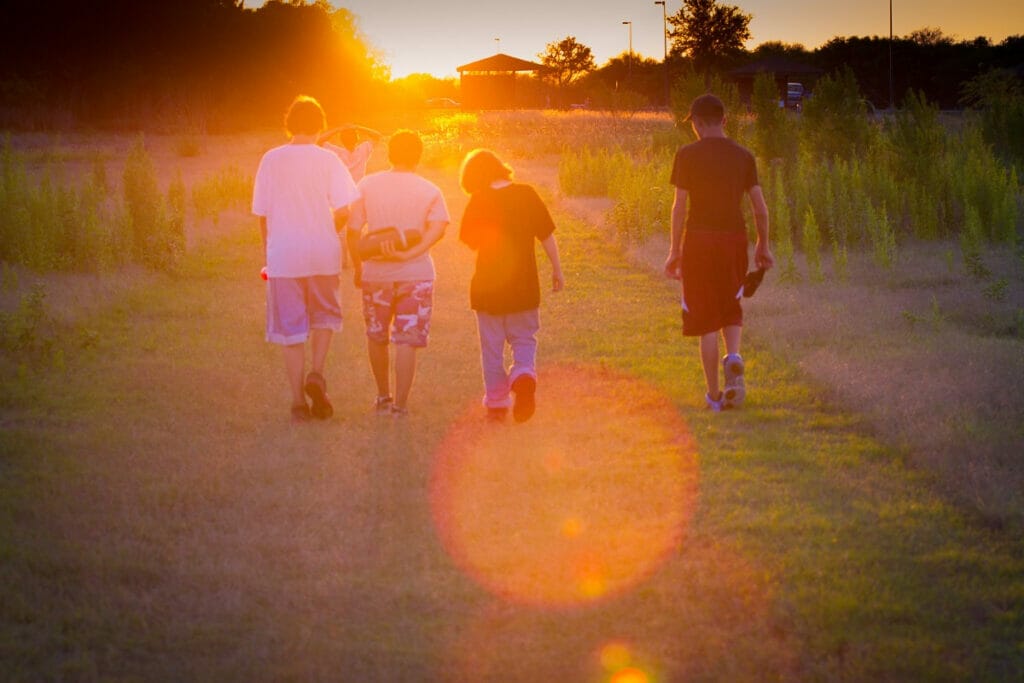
[567, 60]
[706, 32]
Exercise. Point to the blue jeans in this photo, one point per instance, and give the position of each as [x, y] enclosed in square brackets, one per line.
[519, 331]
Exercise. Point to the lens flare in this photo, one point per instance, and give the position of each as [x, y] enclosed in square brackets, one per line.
[629, 675]
[578, 504]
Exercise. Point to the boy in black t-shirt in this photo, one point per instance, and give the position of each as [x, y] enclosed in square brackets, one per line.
[501, 222]
[710, 258]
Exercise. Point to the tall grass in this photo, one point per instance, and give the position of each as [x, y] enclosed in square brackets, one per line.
[866, 184]
[638, 186]
[223, 190]
[45, 225]
[84, 225]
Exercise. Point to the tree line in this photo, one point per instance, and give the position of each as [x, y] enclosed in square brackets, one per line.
[205, 64]
[215, 65]
[708, 37]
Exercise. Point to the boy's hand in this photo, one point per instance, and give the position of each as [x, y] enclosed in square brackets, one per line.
[391, 251]
[557, 281]
[672, 267]
[763, 256]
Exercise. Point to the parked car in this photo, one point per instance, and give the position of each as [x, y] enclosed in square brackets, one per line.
[795, 96]
[442, 103]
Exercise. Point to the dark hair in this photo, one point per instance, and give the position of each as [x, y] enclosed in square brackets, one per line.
[708, 108]
[305, 116]
[405, 148]
[480, 168]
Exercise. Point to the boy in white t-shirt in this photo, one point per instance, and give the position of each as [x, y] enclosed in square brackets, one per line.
[398, 287]
[301, 195]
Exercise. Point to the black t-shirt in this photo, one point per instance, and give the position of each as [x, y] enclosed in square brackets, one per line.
[716, 172]
[501, 225]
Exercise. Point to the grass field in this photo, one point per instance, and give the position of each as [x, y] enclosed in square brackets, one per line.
[160, 518]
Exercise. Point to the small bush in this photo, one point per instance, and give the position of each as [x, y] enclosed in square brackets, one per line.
[226, 188]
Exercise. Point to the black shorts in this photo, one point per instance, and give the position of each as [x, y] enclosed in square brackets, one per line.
[714, 265]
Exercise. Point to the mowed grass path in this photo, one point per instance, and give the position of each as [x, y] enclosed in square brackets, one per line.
[162, 520]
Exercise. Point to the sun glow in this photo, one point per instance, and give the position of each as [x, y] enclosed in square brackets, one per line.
[579, 504]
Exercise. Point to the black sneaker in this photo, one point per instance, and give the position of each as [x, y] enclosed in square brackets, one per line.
[524, 388]
[316, 389]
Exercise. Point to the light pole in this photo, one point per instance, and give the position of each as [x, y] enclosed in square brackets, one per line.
[892, 101]
[498, 41]
[664, 42]
[630, 24]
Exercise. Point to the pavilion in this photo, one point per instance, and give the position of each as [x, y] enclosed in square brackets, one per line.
[490, 83]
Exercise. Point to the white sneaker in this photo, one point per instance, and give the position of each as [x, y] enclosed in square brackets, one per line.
[713, 405]
[735, 389]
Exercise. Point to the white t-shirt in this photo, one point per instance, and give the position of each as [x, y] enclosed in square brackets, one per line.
[403, 200]
[297, 189]
[356, 160]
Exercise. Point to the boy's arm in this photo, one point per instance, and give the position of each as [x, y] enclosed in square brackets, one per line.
[354, 228]
[551, 248]
[370, 132]
[432, 234]
[673, 264]
[762, 252]
[328, 134]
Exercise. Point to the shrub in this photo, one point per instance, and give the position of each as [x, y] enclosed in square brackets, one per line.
[834, 121]
[775, 131]
[220, 191]
[999, 96]
[811, 243]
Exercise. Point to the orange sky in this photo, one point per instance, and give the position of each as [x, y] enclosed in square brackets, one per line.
[436, 36]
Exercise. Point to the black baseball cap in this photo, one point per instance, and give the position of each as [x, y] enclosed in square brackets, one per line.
[706, 107]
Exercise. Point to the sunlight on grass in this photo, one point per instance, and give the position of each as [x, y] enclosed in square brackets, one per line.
[577, 505]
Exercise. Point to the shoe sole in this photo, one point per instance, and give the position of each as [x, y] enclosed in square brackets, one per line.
[321, 408]
[735, 389]
[525, 388]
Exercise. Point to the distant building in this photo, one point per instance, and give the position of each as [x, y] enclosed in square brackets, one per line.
[492, 83]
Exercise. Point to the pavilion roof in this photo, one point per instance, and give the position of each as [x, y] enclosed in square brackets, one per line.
[501, 62]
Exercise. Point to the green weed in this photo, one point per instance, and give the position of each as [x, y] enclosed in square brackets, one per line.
[223, 190]
[29, 332]
[811, 243]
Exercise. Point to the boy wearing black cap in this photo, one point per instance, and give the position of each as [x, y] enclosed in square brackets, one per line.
[710, 256]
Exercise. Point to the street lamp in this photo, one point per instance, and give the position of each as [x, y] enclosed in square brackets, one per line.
[498, 41]
[630, 23]
[664, 42]
[892, 101]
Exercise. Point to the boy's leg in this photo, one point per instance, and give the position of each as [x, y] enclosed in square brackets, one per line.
[491, 329]
[379, 363]
[294, 365]
[732, 334]
[709, 360]
[321, 345]
[378, 302]
[413, 304]
[405, 371]
[521, 329]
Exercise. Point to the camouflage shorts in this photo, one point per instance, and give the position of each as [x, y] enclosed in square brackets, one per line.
[403, 308]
